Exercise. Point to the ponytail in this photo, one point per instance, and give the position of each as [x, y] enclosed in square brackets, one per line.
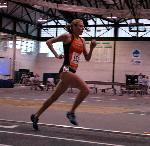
[68, 28]
[73, 23]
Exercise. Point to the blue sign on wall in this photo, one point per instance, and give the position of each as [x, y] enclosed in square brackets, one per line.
[136, 53]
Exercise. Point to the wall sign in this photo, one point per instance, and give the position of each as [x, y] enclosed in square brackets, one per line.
[136, 57]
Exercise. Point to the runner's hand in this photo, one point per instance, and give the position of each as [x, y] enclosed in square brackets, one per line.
[93, 44]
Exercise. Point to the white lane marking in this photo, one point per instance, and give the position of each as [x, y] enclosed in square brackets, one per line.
[4, 145]
[146, 97]
[7, 97]
[147, 134]
[132, 98]
[9, 127]
[113, 99]
[74, 127]
[95, 97]
[13, 98]
[59, 138]
[99, 100]
[131, 113]
[62, 101]
[39, 99]
[142, 114]
[22, 98]
[72, 98]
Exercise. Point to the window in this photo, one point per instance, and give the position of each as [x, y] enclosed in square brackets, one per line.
[125, 32]
[27, 46]
[48, 32]
[57, 46]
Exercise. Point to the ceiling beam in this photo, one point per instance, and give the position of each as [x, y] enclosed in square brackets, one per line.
[88, 10]
[115, 4]
[121, 5]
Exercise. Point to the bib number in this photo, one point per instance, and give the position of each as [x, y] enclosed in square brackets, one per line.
[75, 58]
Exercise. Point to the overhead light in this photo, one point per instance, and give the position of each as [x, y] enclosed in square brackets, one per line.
[42, 20]
[37, 6]
[112, 17]
[3, 5]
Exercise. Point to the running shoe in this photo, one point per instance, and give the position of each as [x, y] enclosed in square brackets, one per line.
[72, 118]
[34, 120]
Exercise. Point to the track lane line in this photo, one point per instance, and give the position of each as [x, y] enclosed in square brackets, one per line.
[60, 138]
[82, 128]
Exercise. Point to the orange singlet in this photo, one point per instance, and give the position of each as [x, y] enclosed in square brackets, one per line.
[75, 51]
[72, 52]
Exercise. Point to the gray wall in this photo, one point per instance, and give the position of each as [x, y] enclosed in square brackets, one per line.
[100, 66]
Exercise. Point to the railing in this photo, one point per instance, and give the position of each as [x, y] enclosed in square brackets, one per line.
[95, 83]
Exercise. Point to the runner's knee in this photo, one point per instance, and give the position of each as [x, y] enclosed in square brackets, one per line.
[86, 91]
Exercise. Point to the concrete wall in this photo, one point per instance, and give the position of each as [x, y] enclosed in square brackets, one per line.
[125, 61]
[100, 66]
[23, 61]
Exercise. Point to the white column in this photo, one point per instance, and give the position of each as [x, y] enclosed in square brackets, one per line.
[14, 56]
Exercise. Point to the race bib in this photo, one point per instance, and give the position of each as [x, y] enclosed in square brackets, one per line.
[75, 58]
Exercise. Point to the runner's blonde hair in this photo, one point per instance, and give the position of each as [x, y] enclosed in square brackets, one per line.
[73, 23]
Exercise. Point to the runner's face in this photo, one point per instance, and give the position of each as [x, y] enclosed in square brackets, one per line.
[79, 28]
